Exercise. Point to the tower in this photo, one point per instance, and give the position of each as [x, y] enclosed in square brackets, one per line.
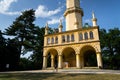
[76, 47]
[73, 15]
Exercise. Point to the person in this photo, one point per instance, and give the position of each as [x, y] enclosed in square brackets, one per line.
[56, 67]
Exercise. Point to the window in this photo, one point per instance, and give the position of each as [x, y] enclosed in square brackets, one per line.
[80, 37]
[86, 35]
[56, 39]
[91, 35]
[63, 38]
[68, 38]
[48, 40]
[72, 37]
[52, 40]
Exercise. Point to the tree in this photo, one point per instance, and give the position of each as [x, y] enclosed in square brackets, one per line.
[9, 54]
[23, 31]
[12, 54]
[110, 44]
[2, 52]
[37, 56]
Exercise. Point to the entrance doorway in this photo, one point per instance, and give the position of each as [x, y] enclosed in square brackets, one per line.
[69, 58]
[52, 58]
[88, 57]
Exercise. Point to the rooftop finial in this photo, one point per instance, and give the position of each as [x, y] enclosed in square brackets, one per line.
[60, 21]
[47, 25]
[94, 19]
[93, 14]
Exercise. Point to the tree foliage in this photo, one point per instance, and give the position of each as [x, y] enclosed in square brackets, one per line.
[23, 30]
[8, 53]
[110, 44]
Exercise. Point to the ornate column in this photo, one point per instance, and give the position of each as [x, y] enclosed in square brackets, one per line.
[82, 61]
[52, 62]
[99, 60]
[60, 61]
[44, 62]
[78, 61]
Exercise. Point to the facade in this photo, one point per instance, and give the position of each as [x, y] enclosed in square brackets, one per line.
[77, 47]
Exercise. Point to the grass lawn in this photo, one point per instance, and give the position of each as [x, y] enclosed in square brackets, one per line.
[59, 76]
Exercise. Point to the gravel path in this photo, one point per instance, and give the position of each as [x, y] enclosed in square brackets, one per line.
[81, 71]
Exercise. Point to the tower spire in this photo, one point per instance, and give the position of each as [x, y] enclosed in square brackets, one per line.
[93, 15]
[60, 26]
[94, 19]
[46, 29]
[46, 25]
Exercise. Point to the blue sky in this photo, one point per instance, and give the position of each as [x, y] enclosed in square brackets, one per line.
[51, 11]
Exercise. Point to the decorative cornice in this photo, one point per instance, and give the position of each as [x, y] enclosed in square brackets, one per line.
[71, 44]
[73, 9]
[80, 29]
[94, 19]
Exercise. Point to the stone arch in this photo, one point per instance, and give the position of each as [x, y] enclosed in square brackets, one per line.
[88, 47]
[88, 56]
[51, 50]
[70, 47]
[94, 46]
[69, 57]
[52, 57]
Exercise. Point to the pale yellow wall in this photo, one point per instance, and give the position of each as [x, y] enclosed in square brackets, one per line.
[76, 47]
[72, 3]
[73, 15]
[71, 21]
[76, 36]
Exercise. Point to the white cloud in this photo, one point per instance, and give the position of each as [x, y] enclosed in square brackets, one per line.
[5, 5]
[11, 13]
[55, 20]
[42, 11]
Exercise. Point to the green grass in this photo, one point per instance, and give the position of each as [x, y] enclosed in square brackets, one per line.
[59, 76]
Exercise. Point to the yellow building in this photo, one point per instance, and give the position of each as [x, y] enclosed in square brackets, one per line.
[76, 47]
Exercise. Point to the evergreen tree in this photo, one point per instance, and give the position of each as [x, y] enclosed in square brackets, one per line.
[23, 31]
[12, 54]
[2, 52]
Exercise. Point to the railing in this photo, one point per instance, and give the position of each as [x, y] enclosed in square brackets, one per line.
[75, 36]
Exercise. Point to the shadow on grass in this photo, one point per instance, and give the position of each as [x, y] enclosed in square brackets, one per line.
[35, 76]
[54, 76]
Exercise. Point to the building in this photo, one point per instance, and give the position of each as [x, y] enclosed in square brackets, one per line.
[78, 46]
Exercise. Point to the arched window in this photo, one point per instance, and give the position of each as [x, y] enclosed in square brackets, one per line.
[63, 38]
[91, 35]
[72, 37]
[52, 40]
[56, 39]
[86, 35]
[68, 38]
[80, 37]
[48, 40]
